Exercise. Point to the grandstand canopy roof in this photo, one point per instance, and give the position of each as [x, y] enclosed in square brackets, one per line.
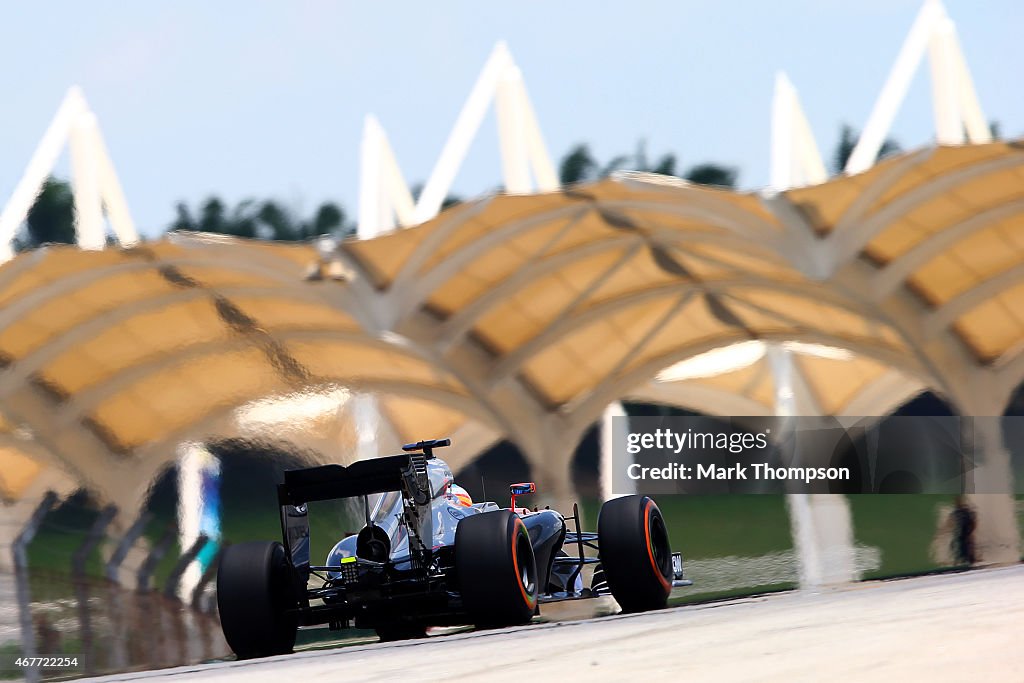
[116, 356]
[511, 309]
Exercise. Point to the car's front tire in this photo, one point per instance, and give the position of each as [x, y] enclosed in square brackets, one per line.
[635, 553]
[255, 587]
[496, 568]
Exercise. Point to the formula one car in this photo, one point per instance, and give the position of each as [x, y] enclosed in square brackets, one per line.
[428, 556]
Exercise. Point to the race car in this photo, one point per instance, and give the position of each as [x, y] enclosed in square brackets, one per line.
[427, 555]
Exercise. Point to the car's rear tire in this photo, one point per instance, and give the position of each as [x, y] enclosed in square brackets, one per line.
[255, 586]
[635, 553]
[496, 569]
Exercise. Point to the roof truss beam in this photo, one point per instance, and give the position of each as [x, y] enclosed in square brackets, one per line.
[456, 327]
[899, 270]
[947, 314]
[413, 286]
[849, 243]
[569, 323]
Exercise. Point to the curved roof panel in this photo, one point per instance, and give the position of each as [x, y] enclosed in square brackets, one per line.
[125, 350]
[948, 225]
[512, 308]
[17, 471]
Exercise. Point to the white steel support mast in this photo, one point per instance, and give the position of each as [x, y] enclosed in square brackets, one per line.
[795, 159]
[958, 114]
[94, 182]
[384, 198]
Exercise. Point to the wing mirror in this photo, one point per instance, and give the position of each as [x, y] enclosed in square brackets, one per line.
[520, 489]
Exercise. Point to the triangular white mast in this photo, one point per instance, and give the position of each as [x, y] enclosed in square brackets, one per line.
[384, 197]
[957, 110]
[93, 179]
[795, 159]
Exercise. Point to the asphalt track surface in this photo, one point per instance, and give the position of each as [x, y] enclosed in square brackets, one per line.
[953, 627]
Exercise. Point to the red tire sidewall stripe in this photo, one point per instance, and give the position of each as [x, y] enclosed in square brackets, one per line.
[650, 547]
[520, 528]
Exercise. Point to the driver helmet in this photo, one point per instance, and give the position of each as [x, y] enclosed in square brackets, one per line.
[460, 495]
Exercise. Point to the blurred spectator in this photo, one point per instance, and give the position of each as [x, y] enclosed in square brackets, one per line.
[965, 520]
[47, 636]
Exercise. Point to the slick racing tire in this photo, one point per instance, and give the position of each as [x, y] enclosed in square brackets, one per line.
[635, 553]
[254, 588]
[496, 569]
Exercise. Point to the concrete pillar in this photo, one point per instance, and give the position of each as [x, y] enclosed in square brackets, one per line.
[821, 524]
[368, 418]
[613, 480]
[997, 537]
[554, 484]
[823, 538]
[550, 459]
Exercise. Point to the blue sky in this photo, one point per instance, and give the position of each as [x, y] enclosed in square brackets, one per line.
[266, 99]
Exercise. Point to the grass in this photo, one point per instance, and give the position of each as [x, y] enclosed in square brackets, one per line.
[902, 526]
[61, 534]
[7, 651]
[716, 526]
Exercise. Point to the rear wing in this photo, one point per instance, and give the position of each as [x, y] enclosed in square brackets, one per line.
[377, 475]
[406, 472]
[329, 482]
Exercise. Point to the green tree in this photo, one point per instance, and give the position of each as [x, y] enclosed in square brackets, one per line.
[449, 199]
[712, 174]
[579, 165]
[666, 165]
[329, 219]
[261, 220]
[848, 140]
[51, 220]
[183, 220]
